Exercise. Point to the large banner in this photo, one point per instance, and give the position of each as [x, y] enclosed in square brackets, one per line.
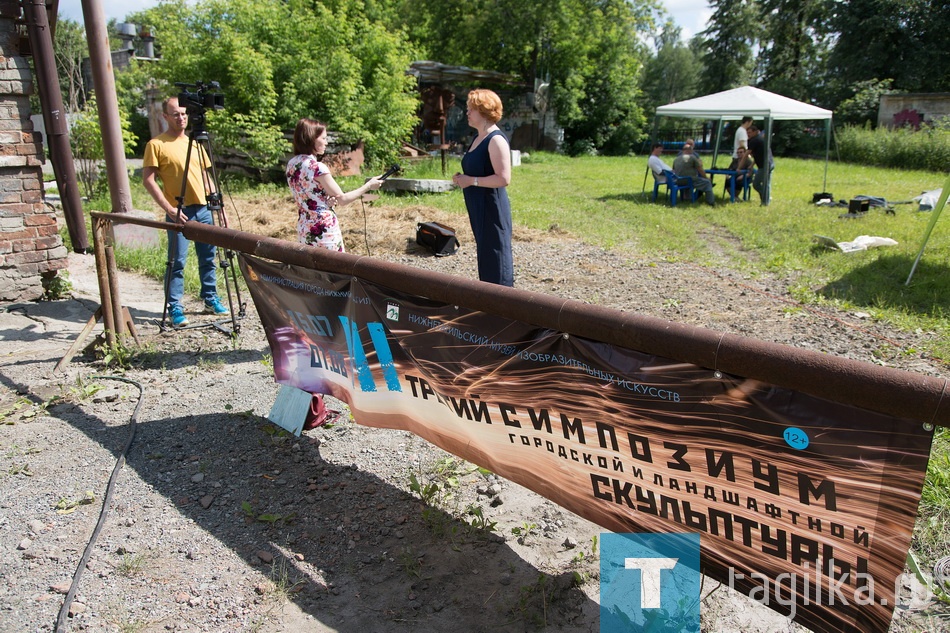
[804, 504]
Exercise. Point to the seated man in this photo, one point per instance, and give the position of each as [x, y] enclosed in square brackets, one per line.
[689, 164]
[661, 169]
[656, 163]
[742, 162]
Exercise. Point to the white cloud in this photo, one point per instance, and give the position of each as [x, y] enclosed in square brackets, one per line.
[690, 15]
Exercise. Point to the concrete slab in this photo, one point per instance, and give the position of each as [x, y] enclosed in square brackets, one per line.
[418, 185]
[135, 236]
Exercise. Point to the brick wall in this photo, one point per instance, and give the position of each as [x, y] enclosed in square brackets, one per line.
[930, 107]
[30, 245]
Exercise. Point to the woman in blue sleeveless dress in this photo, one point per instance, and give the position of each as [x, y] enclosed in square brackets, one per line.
[486, 172]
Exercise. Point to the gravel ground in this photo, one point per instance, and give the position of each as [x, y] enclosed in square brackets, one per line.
[220, 523]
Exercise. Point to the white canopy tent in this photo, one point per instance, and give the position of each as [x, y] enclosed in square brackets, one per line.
[733, 105]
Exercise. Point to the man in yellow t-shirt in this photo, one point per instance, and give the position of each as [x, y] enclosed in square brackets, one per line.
[165, 160]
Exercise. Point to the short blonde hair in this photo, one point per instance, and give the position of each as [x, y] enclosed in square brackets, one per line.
[487, 103]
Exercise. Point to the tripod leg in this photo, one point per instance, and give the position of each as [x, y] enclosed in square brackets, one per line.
[242, 305]
[242, 308]
[224, 263]
[168, 281]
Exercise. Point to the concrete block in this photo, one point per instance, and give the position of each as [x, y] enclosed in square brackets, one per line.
[418, 185]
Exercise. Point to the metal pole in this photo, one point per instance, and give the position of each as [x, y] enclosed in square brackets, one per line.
[941, 203]
[656, 135]
[824, 184]
[112, 276]
[894, 392]
[102, 273]
[101, 61]
[718, 139]
[54, 117]
[768, 153]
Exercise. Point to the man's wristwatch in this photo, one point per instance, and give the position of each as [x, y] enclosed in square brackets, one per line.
[476, 181]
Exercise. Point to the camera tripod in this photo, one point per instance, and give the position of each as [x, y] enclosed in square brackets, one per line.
[198, 137]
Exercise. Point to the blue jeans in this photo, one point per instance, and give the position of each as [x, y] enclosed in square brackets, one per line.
[178, 253]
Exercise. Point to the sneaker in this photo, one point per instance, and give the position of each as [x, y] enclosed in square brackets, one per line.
[214, 306]
[178, 316]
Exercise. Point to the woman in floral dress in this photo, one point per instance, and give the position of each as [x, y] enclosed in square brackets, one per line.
[315, 191]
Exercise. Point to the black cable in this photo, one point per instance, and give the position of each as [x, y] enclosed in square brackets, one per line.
[106, 501]
[224, 185]
[233, 206]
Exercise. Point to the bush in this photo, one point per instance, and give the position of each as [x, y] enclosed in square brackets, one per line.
[927, 149]
[85, 139]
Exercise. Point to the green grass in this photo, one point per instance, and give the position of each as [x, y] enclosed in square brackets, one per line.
[602, 199]
[606, 201]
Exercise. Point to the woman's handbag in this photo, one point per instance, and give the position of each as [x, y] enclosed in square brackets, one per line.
[438, 238]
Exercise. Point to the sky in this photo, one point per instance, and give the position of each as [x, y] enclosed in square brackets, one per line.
[117, 9]
[690, 15]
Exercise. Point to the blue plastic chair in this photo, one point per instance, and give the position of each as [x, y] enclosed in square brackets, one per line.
[743, 193]
[674, 184]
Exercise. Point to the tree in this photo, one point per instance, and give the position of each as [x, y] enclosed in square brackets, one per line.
[795, 44]
[278, 61]
[598, 104]
[589, 51]
[862, 108]
[673, 74]
[131, 86]
[85, 138]
[728, 42]
[902, 40]
[69, 49]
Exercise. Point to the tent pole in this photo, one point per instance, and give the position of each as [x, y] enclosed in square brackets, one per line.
[768, 152]
[930, 227]
[824, 184]
[716, 146]
[656, 131]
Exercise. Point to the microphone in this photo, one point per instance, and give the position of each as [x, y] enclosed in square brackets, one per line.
[392, 171]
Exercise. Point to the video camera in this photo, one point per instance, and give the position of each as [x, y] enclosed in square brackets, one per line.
[204, 97]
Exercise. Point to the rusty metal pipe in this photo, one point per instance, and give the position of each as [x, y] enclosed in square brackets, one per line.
[113, 279]
[100, 58]
[102, 273]
[885, 390]
[54, 118]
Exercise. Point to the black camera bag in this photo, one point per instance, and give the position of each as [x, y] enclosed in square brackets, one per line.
[438, 238]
